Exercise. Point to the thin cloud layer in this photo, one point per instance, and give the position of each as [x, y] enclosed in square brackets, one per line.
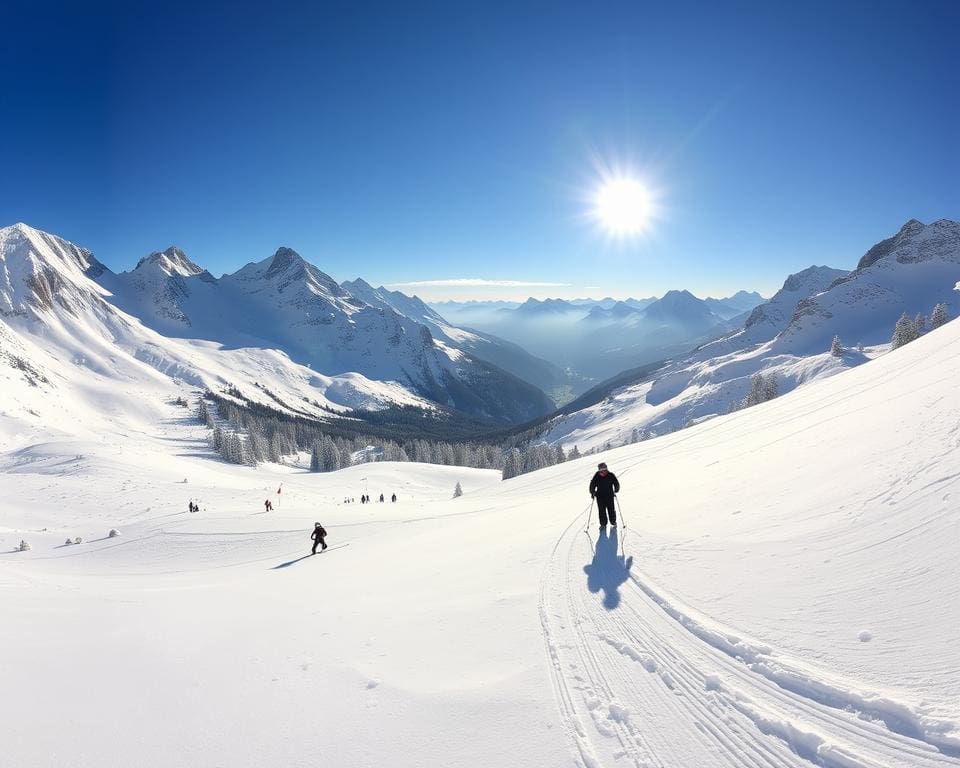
[476, 282]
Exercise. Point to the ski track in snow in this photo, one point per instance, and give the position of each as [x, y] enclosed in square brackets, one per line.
[645, 685]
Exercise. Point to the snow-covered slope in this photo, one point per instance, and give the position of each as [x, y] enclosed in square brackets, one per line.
[280, 304]
[787, 338]
[784, 591]
[485, 346]
[68, 356]
[910, 272]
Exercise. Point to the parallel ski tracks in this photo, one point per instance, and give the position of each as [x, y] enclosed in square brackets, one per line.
[637, 688]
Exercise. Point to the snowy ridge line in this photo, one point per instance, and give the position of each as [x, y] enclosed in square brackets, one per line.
[898, 717]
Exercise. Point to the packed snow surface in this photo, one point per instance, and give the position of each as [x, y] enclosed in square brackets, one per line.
[783, 590]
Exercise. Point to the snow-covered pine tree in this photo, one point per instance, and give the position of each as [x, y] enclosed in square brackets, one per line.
[558, 455]
[836, 348]
[218, 440]
[770, 387]
[574, 453]
[315, 465]
[904, 332]
[920, 321]
[330, 457]
[512, 464]
[458, 491]
[276, 447]
[755, 395]
[762, 388]
[939, 316]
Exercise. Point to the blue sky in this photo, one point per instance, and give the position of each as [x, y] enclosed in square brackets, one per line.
[449, 141]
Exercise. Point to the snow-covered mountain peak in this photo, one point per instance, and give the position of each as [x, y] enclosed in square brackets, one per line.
[38, 269]
[916, 241]
[172, 261]
[678, 297]
[812, 279]
[912, 271]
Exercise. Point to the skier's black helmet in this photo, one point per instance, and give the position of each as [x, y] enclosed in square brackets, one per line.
[601, 465]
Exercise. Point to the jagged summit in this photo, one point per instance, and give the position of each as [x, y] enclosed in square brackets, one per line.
[39, 270]
[172, 261]
[915, 241]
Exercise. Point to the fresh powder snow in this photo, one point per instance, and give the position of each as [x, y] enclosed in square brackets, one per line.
[783, 590]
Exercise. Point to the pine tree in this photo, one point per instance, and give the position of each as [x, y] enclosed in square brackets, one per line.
[315, 458]
[904, 332]
[771, 388]
[512, 464]
[458, 491]
[836, 348]
[755, 395]
[940, 316]
[203, 412]
[574, 454]
[920, 322]
[762, 389]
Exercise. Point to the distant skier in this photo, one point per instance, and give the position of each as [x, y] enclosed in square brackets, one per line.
[604, 487]
[381, 498]
[318, 536]
[267, 505]
[393, 498]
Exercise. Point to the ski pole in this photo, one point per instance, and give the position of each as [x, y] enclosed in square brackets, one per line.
[589, 515]
[620, 512]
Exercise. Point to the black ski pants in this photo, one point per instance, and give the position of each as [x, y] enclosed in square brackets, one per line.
[606, 507]
[319, 540]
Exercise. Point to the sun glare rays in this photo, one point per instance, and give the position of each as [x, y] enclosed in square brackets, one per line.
[621, 203]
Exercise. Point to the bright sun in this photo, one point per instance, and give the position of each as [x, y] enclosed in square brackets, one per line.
[623, 207]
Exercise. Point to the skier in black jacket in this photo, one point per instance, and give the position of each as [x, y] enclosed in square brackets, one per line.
[604, 487]
[318, 536]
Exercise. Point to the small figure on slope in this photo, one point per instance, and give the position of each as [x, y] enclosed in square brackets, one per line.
[318, 536]
[604, 487]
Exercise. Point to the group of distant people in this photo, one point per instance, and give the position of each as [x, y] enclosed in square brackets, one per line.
[191, 507]
[365, 498]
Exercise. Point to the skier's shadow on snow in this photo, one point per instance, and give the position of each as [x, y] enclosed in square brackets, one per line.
[609, 569]
[290, 562]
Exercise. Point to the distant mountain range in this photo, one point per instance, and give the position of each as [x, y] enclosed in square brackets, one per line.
[352, 354]
[787, 338]
[598, 339]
